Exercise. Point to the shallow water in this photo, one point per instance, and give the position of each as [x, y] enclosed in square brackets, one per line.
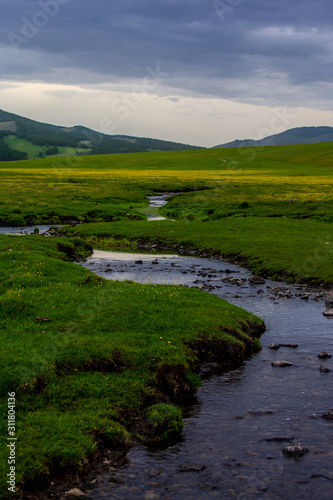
[235, 413]
[24, 230]
[156, 202]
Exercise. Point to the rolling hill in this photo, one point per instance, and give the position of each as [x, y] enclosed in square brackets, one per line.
[299, 135]
[22, 138]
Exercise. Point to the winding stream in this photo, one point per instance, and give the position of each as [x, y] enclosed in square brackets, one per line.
[241, 420]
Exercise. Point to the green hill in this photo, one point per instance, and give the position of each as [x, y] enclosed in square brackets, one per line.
[22, 138]
[298, 135]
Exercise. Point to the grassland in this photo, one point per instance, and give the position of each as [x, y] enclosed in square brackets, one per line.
[277, 181]
[110, 352]
[32, 150]
[95, 363]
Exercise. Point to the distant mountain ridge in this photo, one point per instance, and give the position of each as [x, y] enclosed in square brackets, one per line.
[298, 135]
[21, 138]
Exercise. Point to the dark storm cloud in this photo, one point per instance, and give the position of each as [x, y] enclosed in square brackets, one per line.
[232, 48]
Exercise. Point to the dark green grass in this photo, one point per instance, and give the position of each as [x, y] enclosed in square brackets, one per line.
[282, 248]
[108, 352]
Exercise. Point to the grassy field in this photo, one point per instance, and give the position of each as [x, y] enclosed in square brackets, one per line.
[288, 181]
[94, 363]
[277, 181]
[104, 365]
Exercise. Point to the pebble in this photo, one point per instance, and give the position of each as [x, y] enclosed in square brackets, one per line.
[295, 450]
[75, 493]
[256, 280]
[274, 346]
[328, 313]
[324, 355]
[324, 369]
[282, 364]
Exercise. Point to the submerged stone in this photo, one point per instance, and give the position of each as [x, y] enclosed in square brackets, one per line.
[328, 415]
[324, 355]
[282, 364]
[295, 450]
[275, 347]
[256, 280]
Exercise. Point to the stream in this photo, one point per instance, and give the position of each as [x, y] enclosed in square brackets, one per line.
[26, 230]
[239, 422]
[156, 202]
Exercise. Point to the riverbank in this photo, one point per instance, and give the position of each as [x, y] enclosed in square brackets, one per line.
[99, 365]
[284, 249]
[240, 421]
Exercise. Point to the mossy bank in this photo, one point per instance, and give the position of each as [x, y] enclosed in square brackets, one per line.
[96, 364]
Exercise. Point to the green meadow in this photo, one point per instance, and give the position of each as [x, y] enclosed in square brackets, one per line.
[95, 363]
[99, 364]
[276, 181]
[33, 150]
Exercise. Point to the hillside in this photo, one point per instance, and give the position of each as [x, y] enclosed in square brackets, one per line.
[299, 135]
[22, 138]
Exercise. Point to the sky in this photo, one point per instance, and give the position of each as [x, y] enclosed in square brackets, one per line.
[201, 72]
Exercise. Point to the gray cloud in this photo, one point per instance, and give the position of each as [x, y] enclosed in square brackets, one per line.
[256, 51]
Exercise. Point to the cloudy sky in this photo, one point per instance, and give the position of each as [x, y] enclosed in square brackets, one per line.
[196, 71]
